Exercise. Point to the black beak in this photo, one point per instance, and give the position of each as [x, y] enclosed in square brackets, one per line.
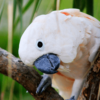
[48, 63]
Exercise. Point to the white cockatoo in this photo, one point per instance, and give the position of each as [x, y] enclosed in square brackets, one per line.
[61, 44]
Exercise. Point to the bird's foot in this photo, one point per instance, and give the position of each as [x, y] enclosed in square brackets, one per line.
[72, 98]
[45, 82]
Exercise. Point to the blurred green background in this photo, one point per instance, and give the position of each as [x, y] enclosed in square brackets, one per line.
[24, 11]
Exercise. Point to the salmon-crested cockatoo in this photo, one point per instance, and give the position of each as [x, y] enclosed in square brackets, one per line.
[61, 44]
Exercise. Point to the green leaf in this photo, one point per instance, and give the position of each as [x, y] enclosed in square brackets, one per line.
[27, 5]
[24, 9]
[89, 7]
[1, 9]
[14, 10]
[54, 7]
[4, 83]
[80, 4]
[38, 2]
[20, 13]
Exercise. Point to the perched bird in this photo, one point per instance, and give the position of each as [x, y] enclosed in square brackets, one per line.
[61, 44]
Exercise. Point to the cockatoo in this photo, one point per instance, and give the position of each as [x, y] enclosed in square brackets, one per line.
[61, 44]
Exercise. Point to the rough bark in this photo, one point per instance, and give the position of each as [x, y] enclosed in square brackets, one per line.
[29, 78]
[91, 89]
[26, 76]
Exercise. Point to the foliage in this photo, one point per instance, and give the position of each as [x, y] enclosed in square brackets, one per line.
[24, 11]
[1, 9]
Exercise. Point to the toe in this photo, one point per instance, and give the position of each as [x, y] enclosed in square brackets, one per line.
[45, 82]
[45, 86]
[72, 98]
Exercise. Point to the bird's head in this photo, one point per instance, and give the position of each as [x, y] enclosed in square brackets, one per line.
[39, 45]
[47, 41]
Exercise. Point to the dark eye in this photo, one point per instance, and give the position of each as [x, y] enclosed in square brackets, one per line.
[40, 45]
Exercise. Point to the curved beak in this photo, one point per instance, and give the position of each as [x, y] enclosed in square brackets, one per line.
[48, 63]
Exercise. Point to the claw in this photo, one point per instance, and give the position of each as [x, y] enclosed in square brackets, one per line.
[72, 98]
[45, 82]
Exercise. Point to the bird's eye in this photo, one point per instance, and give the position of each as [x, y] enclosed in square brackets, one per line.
[40, 45]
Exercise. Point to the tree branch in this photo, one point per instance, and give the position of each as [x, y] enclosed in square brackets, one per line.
[29, 78]
[26, 76]
[91, 89]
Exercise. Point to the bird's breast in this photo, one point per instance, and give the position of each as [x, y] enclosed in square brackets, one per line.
[74, 70]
